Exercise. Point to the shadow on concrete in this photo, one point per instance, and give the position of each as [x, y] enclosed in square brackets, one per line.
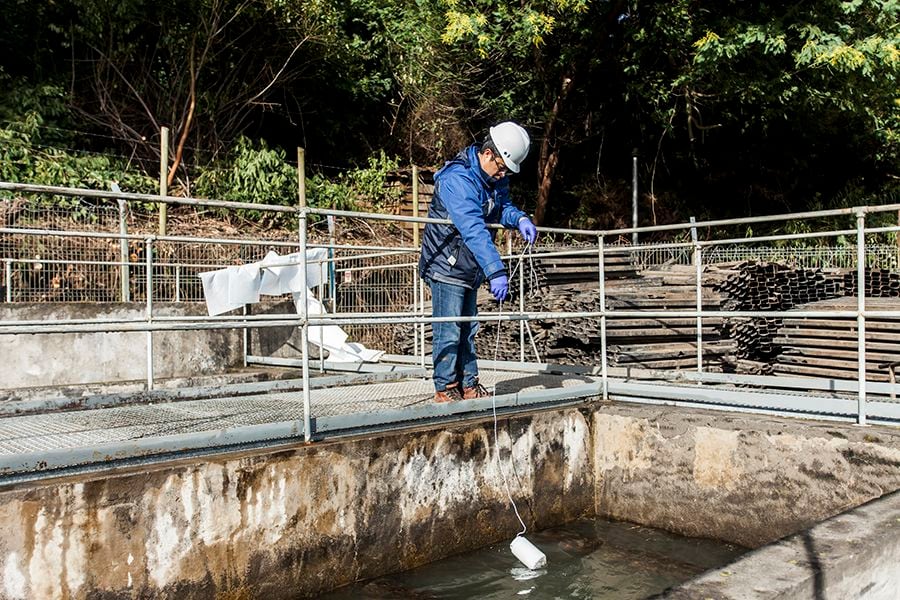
[815, 566]
[543, 381]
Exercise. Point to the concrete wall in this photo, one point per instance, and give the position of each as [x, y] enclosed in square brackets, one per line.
[300, 521]
[854, 555]
[296, 522]
[78, 358]
[745, 479]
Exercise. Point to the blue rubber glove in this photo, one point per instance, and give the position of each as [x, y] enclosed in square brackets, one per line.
[528, 230]
[500, 287]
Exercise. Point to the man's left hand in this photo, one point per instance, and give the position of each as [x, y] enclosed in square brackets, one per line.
[528, 230]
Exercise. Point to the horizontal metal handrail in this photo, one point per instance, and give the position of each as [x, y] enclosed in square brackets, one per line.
[105, 195]
[598, 251]
[252, 321]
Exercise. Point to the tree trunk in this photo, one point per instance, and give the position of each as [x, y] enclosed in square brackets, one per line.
[549, 156]
[545, 180]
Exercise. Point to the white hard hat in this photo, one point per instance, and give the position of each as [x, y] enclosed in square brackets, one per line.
[512, 143]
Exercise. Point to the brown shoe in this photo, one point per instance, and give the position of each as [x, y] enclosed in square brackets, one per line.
[475, 392]
[451, 394]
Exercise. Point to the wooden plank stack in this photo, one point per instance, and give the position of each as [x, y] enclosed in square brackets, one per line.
[761, 345]
[828, 347]
[563, 270]
[644, 342]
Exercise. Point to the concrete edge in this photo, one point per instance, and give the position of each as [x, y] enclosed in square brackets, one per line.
[852, 555]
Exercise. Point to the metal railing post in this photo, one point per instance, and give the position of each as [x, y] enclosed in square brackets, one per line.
[148, 262]
[304, 329]
[601, 280]
[245, 336]
[698, 258]
[177, 283]
[415, 204]
[521, 308]
[418, 285]
[321, 289]
[332, 282]
[304, 289]
[422, 312]
[861, 308]
[8, 275]
[698, 266]
[415, 309]
[125, 287]
[634, 196]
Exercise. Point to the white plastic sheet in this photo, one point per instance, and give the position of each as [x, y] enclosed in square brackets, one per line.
[228, 289]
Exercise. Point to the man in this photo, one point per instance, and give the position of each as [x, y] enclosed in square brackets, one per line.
[471, 190]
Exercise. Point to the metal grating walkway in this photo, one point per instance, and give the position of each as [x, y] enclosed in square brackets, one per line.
[46, 441]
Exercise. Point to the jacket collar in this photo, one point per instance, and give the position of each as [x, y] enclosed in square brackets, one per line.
[468, 159]
[475, 167]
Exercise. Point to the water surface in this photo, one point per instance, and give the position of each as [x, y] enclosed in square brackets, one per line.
[589, 558]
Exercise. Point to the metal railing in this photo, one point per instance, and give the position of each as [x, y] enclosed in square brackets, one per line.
[593, 244]
[885, 256]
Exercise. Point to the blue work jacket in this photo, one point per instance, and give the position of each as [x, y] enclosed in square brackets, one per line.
[464, 253]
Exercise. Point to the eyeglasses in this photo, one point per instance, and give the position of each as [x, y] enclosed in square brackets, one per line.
[501, 166]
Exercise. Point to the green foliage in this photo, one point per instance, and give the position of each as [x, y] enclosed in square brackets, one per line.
[257, 173]
[356, 189]
[254, 173]
[770, 103]
[736, 108]
[27, 156]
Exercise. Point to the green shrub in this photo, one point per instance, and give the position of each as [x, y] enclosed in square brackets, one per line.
[29, 152]
[257, 173]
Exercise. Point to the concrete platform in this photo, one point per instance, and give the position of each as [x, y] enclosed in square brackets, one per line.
[42, 442]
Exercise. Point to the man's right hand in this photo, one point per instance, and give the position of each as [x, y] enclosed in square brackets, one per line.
[500, 287]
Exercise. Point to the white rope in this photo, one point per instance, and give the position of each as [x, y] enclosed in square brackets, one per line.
[532, 280]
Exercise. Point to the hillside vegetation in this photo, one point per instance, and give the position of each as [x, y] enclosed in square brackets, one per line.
[734, 108]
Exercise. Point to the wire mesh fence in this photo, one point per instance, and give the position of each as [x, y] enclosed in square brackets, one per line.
[387, 283]
[879, 256]
[50, 267]
[58, 258]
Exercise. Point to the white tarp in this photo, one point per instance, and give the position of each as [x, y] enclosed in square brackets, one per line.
[232, 287]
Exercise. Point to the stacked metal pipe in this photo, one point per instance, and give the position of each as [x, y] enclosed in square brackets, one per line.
[651, 343]
[879, 283]
[768, 286]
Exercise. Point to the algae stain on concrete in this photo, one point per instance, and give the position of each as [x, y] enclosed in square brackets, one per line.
[56, 559]
[169, 540]
[437, 480]
[623, 443]
[715, 466]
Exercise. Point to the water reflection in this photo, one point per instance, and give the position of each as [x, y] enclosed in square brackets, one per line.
[589, 558]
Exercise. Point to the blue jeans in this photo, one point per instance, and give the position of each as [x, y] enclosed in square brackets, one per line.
[453, 344]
